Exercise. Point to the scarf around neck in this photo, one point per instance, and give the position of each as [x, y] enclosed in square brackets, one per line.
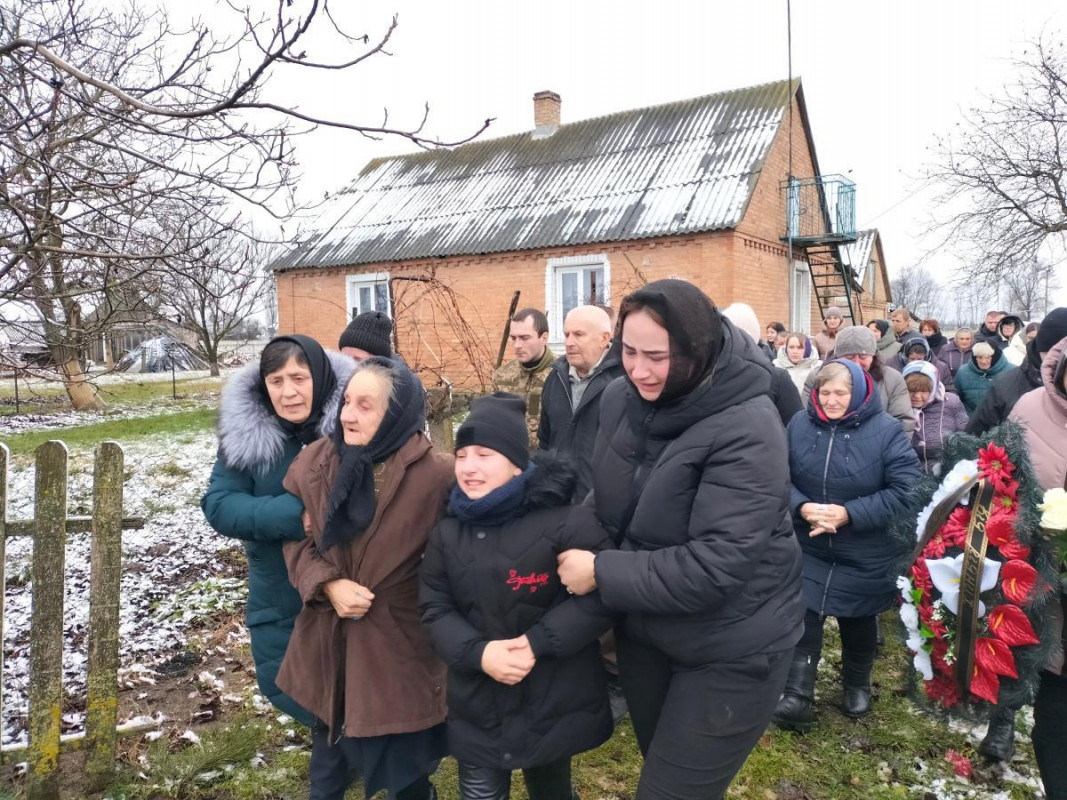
[501, 505]
[351, 504]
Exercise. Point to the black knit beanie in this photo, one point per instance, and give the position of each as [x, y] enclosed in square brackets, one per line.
[882, 325]
[369, 331]
[1053, 328]
[498, 421]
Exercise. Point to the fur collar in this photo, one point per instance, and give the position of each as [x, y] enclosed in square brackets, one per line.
[250, 437]
[550, 486]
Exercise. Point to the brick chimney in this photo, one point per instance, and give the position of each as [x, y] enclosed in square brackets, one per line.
[546, 114]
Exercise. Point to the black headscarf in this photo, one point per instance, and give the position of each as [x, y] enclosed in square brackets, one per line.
[694, 326]
[323, 384]
[351, 504]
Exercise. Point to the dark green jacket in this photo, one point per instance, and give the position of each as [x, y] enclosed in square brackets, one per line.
[245, 500]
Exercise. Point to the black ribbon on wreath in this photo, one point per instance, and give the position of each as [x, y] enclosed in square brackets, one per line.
[974, 551]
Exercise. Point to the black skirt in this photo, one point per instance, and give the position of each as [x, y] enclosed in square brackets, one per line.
[396, 760]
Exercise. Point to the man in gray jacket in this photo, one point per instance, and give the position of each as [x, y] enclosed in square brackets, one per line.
[857, 343]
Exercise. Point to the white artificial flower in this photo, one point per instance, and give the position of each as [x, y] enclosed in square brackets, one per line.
[904, 584]
[909, 616]
[923, 664]
[914, 641]
[1054, 510]
[957, 476]
[945, 575]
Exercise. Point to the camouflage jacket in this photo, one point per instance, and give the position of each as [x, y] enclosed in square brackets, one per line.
[527, 383]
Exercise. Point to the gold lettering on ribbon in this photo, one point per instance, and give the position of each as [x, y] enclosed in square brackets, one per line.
[974, 551]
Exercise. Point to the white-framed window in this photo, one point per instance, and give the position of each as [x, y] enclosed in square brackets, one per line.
[368, 292]
[800, 315]
[573, 281]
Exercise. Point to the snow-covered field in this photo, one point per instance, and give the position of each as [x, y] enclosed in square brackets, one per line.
[176, 549]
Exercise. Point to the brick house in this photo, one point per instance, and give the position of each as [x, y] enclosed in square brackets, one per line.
[585, 212]
[871, 281]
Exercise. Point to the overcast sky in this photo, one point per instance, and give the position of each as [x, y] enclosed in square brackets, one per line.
[881, 78]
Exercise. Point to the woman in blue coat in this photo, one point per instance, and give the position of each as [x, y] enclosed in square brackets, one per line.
[851, 468]
[268, 412]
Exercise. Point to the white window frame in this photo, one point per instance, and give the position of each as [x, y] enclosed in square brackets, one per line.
[800, 313]
[554, 270]
[354, 282]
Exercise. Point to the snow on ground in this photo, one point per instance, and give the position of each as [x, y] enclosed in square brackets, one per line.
[166, 476]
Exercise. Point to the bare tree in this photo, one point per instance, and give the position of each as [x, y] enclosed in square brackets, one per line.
[114, 123]
[916, 290]
[1029, 286]
[217, 291]
[1004, 188]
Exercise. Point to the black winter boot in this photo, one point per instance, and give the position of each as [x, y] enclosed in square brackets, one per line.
[856, 680]
[793, 712]
[999, 741]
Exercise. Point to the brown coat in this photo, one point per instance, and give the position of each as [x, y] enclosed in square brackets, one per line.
[383, 665]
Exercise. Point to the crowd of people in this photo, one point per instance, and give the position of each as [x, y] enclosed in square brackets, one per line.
[658, 521]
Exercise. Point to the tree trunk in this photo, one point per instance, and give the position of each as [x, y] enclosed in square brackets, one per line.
[214, 367]
[82, 394]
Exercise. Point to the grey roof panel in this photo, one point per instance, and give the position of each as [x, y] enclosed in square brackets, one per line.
[681, 167]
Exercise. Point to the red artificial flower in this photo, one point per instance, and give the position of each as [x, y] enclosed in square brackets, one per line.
[943, 689]
[1014, 549]
[961, 765]
[938, 651]
[935, 547]
[1016, 580]
[984, 683]
[995, 656]
[937, 626]
[1009, 488]
[993, 464]
[1009, 624]
[999, 530]
[920, 574]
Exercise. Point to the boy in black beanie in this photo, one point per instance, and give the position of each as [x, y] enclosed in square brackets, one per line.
[499, 615]
[367, 335]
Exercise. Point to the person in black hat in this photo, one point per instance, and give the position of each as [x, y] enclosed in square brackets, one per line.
[499, 616]
[1013, 384]
[367, 335]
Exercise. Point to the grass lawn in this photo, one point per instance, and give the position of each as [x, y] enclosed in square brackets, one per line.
[897, 752]
[119, 430]
[50, 398]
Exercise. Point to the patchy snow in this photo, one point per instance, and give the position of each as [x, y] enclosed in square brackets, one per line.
[165, 478]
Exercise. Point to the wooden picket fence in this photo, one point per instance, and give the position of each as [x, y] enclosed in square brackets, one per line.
[50, 528]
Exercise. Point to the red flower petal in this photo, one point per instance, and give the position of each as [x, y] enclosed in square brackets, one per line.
[999, 530]
[1009, 624]
[943, 689]
[935, 548]
[961, 765]
[921, 575]
[995, 656]
[1014, 550]
[985, 683]
[1016, 580]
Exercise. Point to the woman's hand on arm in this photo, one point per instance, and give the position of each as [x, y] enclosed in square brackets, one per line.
[576, 571]
[348, 598]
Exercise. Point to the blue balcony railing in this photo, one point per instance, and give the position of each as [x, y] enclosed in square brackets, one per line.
[820, 209]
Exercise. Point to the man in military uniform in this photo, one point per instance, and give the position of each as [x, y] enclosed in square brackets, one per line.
[525, 376]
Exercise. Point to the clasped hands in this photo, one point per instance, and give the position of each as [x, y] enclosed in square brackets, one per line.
[348, 598]
[824, 517]
[508, 661]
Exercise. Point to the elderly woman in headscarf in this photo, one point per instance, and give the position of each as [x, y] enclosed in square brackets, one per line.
[268, 412]
[851, 470]
[690, 476]
[938, 414]
[359, 659]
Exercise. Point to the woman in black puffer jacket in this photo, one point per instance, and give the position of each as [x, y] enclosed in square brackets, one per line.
[690, 474]
[852, 469]
[526, 686]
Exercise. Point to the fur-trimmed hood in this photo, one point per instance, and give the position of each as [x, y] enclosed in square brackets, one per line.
[550, 486]
[250, 435]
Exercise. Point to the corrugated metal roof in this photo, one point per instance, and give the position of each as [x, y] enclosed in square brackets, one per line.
[857, 254]
[682, 167]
